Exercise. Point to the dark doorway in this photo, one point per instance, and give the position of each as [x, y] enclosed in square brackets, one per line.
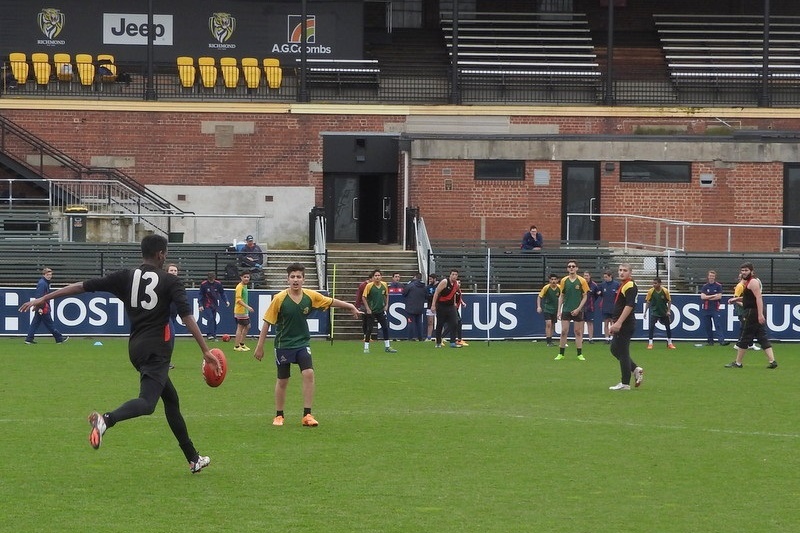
[360, 188]
[791, 207]
[581, 200]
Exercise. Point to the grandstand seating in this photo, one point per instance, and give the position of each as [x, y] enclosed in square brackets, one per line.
[208, 71]
[41, 68]
[514, 49]
[106, 61]
[273, 73]
[340, 73]
[778, 273]
[86, 69]
[252, 72]
[63, 67]
[230, 71]
[719, 50]
[186, 71]
[19, 66]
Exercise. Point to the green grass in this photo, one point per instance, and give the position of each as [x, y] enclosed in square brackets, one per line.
[495, 438]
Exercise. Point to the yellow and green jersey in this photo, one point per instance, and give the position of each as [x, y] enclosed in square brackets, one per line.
[572, 291]
[240, 310]
[548, 299]
[659, 301]
[375, 294]
[289, 317]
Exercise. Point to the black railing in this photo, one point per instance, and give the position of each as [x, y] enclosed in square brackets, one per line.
[435, 86]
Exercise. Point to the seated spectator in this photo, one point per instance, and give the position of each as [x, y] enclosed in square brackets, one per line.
[532, 240]
[251, 256]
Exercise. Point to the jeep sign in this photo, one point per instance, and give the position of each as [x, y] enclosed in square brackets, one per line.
[127, 28]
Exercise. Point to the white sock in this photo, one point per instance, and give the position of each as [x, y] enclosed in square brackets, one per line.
[366, 345]
[386, 344]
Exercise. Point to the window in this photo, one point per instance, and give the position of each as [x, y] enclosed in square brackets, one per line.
[655, 172]
[499, 169]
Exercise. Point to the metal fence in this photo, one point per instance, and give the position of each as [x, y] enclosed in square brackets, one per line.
[399, 85]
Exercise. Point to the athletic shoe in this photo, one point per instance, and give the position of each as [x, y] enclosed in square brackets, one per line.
[649, 346]
[620, 386]
[638, 376]
[171, 366]
[462, 343]
[772, 364]
[549, 344]
[390, 350]
[366, 350]
[734, 364]
[64, 339]
[98, 424]
[455, 345]
[724, 343]
[201, 463]
[30, 342]
[238, 349]
[277, 421]
[244, 348]
[581, 357]
[559, 357]
[438, 346]
[591, 341]
[671, 346]
[754, 347]
[310, 421]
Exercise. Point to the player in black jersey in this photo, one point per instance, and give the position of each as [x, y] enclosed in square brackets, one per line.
[147, 293]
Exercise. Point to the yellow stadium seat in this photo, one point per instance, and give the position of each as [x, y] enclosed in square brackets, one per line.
[273, 72]
[252, 72]
[186, 71]
[19, 66]
[208, 71]
[63, 64]
[41, 67]
[85, 69]
[230, 71]
[106, 67]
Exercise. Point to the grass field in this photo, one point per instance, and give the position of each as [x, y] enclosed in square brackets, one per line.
[496, 438]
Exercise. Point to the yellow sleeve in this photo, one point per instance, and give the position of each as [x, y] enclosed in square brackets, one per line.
[318, 301]
[543, 291]
[271, 316]
[666, 293]
[367, 288]
[739, 290]
[561, 283]
[649, 294]
[584, 285]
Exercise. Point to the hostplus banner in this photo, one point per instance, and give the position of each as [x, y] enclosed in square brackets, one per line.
[493, 316]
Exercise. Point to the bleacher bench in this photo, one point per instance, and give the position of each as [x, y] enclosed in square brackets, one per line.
[342, 72]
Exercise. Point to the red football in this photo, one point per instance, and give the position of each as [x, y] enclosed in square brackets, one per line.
[226, 338]
[213, 380]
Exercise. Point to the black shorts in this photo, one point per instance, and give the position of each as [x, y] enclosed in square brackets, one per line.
[552, 317]
[567, 315]
[284, 357]
[151, 357]
[244, 322]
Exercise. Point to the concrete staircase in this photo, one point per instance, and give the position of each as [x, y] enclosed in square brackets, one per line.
[352, 266]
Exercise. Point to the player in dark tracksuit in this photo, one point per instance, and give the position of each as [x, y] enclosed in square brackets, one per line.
[623, 328]
[147, 293]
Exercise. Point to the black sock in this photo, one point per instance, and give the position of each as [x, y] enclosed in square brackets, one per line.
[306, 411]
[561, 351]
[108, 420]
[278, 413]
[580, 350]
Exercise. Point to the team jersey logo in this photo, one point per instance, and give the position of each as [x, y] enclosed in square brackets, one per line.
[51, 22]
[222, 26]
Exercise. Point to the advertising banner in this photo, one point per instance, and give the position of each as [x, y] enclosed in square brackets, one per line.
[493, 316]
[235, 28]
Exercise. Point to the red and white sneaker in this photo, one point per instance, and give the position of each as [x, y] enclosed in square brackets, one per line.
[98, 424]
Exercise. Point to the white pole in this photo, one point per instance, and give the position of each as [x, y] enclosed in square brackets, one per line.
[488, 277]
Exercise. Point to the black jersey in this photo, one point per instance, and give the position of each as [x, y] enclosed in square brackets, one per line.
[146, 293]
[748, 297]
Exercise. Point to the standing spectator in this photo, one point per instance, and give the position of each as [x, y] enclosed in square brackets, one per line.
[241, 312]
[711, 296]
[288, 312]
[212, 294]
[430, 316]
[396, 286]
[147, 293]
[459, 303]
[753, 319]
[532, 240]
[43, 312]
[589, 308]
[658, 301]
[608, 290]
[623, 328]
[737, 294]
[574, 293]
[547, 306]
[414, 294]
[251, 256]
[443, 305]
[376, 303]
